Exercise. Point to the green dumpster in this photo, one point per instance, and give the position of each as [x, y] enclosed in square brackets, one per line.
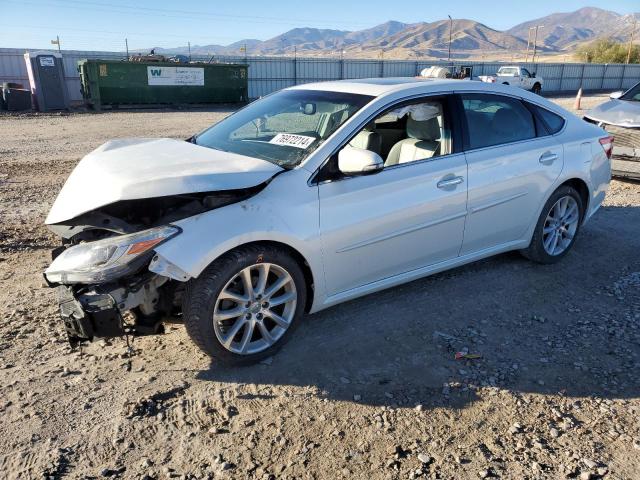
[113, 82]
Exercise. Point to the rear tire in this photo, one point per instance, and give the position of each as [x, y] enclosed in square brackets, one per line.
[246, 304]
[557, 227]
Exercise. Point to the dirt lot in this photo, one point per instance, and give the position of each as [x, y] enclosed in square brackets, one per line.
[368, 389]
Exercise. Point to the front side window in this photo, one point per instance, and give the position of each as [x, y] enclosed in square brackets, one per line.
[283, 128]
[407, 133]
[633, 94]
[525, 72]
[495, 120]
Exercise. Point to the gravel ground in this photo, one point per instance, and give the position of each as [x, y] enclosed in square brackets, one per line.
[368, 389]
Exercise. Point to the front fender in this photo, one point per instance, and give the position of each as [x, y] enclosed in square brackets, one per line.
[286, 211]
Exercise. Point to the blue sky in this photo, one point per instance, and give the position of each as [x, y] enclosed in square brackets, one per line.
[103, 24]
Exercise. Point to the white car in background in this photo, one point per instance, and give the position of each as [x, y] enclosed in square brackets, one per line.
[312, 196]
[516, 76]
[620, 116]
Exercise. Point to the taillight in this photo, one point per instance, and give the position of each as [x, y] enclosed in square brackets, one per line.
[607, 146]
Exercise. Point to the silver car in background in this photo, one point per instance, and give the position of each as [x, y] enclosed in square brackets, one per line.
[620, 116]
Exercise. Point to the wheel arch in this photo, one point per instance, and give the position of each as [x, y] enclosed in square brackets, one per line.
[309, 277]
[583, 189]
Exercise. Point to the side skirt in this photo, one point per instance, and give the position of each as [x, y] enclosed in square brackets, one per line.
[416, 274]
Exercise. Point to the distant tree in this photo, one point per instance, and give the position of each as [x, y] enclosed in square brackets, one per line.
[607, 51]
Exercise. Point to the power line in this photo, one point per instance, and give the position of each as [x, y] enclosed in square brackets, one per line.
[185, 14]
[119, 34]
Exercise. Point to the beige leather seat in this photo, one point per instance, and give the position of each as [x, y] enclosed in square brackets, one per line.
[423, 142]
[368, 139]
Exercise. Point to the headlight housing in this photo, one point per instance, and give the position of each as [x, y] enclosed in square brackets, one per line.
[108, 259]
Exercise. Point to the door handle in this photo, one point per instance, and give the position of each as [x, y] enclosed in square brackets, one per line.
[450, 182]
[547, 158]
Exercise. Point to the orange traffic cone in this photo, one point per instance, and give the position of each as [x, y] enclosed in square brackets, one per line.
[576, 106]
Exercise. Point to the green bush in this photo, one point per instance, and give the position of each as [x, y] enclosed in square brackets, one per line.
[607, 51]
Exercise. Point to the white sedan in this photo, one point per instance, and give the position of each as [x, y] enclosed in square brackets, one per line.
[312, 196]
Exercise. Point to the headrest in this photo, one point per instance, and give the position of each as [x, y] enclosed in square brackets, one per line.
[505, 120]
[370, 127]
[425, 130]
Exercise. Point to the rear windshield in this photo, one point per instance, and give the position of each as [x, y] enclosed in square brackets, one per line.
[283, 128]
[633, 94]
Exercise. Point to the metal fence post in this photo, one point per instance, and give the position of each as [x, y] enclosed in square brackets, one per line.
[604, 74]
[295, 70]
[416, 69]
[382, 68]
[561, 77]
[582, 76]
[624, 72]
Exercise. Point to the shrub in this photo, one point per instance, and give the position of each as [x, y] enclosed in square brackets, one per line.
[606, 50]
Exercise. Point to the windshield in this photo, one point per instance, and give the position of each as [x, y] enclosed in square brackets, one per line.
[283, 128]
[633, 94]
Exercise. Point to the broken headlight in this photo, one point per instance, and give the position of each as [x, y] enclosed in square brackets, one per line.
[105, 260]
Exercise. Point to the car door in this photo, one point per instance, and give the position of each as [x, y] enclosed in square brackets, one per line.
[525, 79]
[512, 165]
[407, 216]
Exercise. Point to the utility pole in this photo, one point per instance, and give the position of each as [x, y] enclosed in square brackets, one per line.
[526, 58]
[633, 31]
[535, 42]
[450, 29]
[126, 46]
[56, 42]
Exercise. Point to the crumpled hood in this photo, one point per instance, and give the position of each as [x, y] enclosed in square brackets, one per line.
[137, 168]
[623, 113]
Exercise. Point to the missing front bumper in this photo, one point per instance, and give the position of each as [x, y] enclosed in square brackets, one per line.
[99, 311]
[87, 317]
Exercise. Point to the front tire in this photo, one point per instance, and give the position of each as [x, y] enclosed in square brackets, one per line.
[557, 227]
[246, 304]
[537, 88]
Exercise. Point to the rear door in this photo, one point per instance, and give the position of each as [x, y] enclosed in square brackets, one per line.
[512, 165]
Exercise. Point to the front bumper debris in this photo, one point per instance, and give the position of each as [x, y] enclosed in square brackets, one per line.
[93, 312]
[89, 316]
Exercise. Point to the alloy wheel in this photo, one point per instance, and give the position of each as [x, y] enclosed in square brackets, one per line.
[561, 225]
[255, 308]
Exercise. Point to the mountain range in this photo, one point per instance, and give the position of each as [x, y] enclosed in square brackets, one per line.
[561, 33]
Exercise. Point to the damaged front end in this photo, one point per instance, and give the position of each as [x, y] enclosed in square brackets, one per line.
[109, 279]
[105, 287]
[117, 206]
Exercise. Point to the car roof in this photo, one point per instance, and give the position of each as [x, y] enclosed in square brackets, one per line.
[381, 86]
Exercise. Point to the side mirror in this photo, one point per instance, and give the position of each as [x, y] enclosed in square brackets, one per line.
[616, 95]
[533, 75]
[358, 161]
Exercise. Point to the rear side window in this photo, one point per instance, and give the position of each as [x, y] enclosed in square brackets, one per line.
[495, 120]
[552, 121]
